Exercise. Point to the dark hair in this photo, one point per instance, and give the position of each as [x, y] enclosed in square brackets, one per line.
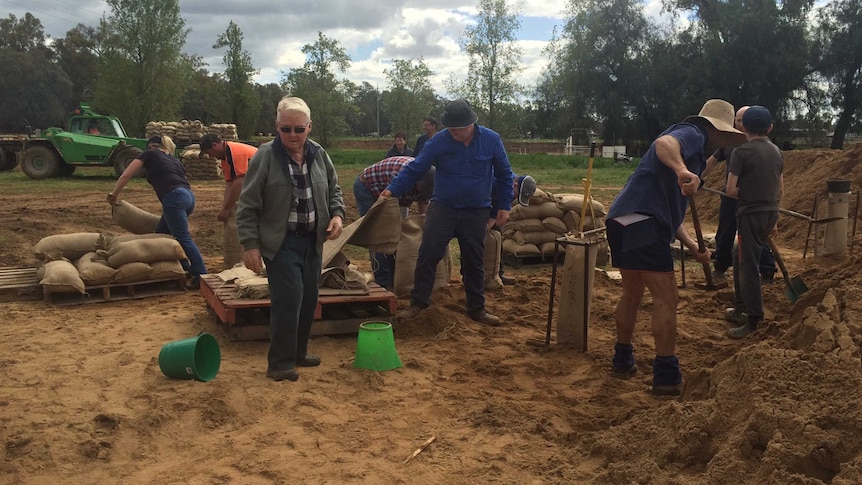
[209, 140]
[401, 134]
[432, 120]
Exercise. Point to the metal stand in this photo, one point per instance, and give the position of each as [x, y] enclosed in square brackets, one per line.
[563, 242]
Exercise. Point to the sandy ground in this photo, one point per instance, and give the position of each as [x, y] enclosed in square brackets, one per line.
[82, 399]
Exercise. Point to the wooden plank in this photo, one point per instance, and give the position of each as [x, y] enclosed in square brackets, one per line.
[518, 261]
[318, 328]
[124, 291]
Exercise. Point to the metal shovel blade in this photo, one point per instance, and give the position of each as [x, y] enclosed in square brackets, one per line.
[795, 288]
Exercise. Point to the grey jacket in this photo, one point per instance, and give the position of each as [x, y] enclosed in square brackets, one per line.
[267, 192]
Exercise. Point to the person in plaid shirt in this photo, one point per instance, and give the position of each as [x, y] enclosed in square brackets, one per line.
[367, 188]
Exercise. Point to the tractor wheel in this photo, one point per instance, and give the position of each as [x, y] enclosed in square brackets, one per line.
[67, 170]
[8, 161]
[40, 162]
[124, 157]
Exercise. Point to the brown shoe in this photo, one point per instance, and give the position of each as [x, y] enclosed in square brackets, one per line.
[485, 318]
[410, 313]
[282, 374]
[508, 280]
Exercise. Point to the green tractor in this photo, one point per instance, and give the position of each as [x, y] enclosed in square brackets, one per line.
[90, 139]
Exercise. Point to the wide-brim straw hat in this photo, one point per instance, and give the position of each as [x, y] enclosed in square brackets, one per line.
[719, 113]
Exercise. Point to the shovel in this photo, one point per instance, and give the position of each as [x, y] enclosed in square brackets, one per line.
[701, 246]
[793, 287]
[781, 210]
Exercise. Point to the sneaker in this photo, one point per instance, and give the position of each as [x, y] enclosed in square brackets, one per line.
[485, 318]
[718, 277]
[508, 280]
[410, 313]
[742, 331]
[624, 373]
[282, 374]
[736, 317]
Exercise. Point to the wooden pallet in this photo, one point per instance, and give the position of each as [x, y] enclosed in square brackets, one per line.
[248, 319]
[518, 261]
[19, 284]
[118, 292]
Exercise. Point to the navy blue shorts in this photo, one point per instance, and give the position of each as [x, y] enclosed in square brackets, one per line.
[640, 246]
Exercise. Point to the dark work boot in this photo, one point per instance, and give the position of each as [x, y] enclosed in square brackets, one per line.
[741, 331]
[666, 377]
[623, 364]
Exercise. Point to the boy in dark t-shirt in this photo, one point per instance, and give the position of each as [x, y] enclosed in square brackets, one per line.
[755, 178]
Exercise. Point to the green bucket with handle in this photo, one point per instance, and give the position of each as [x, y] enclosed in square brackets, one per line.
[196, 358]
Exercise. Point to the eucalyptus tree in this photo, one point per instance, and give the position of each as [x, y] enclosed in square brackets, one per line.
[495, 58]
[143, 75]
[838, 59]
[317, 84]
[239, 69]
[409, 97]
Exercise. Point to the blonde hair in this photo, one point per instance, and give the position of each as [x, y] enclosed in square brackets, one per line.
[294, 104]
[168, 145]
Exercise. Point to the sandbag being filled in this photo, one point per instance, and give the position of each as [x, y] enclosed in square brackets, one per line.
[408, 251]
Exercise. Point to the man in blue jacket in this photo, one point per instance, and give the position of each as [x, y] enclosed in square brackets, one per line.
[470, 161]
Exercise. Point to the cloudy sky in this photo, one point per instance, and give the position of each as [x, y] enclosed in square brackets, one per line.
[373, 33]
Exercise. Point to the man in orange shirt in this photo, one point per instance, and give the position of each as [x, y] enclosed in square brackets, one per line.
[234, 158]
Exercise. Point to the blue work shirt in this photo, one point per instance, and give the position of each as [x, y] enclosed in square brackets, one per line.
[653, 189]
[465, 175]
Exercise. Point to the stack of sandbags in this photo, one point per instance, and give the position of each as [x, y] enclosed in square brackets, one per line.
[532, 229]
[227, 131]
[183, 131]
[199, 165]
[145, 257]
[69, 263]
[54, 255]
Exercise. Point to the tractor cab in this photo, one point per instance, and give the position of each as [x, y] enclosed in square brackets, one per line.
[86, 121]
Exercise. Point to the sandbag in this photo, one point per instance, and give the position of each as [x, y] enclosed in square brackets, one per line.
[525, 225]
[106, 239]
[61, 276]
[166, 270]
[94, 272]
[537, 238]
[493, 247]
[408, 251]
[133, 219]
[69, 246]
[547, 249]
[554, 224]
[510, 246]
[143, 251]
[541, 211]
[233, 250]
[132, 273]
[574, 202]
[540, 197]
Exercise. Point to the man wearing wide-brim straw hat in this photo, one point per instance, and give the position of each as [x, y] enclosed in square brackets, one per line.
[642, 223]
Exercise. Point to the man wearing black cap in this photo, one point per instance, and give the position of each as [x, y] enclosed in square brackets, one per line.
[470, 161]
[755, 178]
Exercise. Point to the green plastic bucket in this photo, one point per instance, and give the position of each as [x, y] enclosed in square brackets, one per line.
[375, 347]
[192, 358]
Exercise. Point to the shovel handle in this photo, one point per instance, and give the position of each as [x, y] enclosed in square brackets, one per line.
[701, 245]
[779, 260]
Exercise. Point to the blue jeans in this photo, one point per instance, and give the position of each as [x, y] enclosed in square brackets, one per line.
[442, 223]
[177, 206]
[383, 265]
[293, 276]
